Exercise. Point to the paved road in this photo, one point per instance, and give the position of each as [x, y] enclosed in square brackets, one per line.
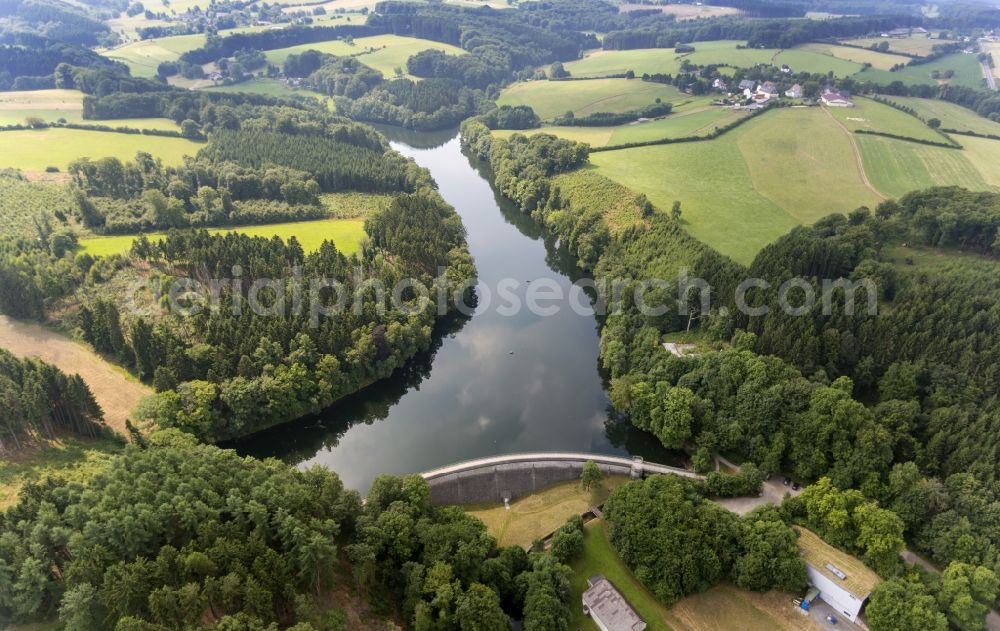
[991, 81]
[648, 467]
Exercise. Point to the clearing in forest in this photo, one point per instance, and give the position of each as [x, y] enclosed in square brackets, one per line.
[384, 53]
[116, 392]
[345, 233]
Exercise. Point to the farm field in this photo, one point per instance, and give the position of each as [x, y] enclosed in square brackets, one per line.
[34, 150]
[550, 99]
[967, 71]
[897, 167]
[951, 116]
[542, 513]
[345, 233]
[915, 45]
[696, 122]
[721, 607]
[52, 105]
[143, 57]
[22, 201]
[871, 115]
[984, 154]
[390, 51]
[741, 191]
[664, 60]
[882, 61]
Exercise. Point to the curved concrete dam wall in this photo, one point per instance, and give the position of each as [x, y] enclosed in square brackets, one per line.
[492, 480]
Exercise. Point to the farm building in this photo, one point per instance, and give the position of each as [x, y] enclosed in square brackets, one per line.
[843, 581]
[608, 608]
[794, 92]
[834, 98]
[769, 88]
[747, 84]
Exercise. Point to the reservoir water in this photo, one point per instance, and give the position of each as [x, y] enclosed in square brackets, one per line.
[493, 383]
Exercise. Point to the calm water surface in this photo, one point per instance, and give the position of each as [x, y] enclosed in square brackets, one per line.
[492, 384]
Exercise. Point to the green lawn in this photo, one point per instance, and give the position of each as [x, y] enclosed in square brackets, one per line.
[696, 122]
[967, 70]
[951, 116]
[550, 99]
[34, 150]
[143, 57]
[600, 558]
[382, 52]
[345, 233]
[896, 167]
[883, 61]
[874, 116]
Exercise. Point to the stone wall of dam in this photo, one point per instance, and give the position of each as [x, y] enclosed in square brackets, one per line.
[492, 480]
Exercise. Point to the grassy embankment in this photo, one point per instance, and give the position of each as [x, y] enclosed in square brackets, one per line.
[539, 514]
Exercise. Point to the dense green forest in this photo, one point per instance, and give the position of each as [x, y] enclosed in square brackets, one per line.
[178, 535]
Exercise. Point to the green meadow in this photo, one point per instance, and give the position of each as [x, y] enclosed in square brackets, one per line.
[53, 105]
[701, 121]
[382, 52]
[143, 57]
[37, 149]
[550, 99]
[915, 45]
[869, 115]
[345, 233]
[967, 71]
[882, 61]
[951, 116]
[897, 167]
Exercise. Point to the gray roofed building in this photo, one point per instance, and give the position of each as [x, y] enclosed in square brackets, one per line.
[608, 608]
[747, 84]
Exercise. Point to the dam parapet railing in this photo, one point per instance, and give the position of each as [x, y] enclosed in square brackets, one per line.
[496, 479]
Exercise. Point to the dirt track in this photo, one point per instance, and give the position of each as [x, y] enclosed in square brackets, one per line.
[116, 393]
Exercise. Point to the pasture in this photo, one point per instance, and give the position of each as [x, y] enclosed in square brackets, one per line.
[882, 61]
[382, 52]
[345, 233]
[871, 115]
[550, 99]
[699, 121]
[34, 150]
[966, 69]
[951, 116]
[916, 45]
[535, 516]
[143, 57]
[897, 167]
[801, 60]
[267, 87]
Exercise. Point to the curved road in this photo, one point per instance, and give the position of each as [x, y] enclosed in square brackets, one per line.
[469, 465]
